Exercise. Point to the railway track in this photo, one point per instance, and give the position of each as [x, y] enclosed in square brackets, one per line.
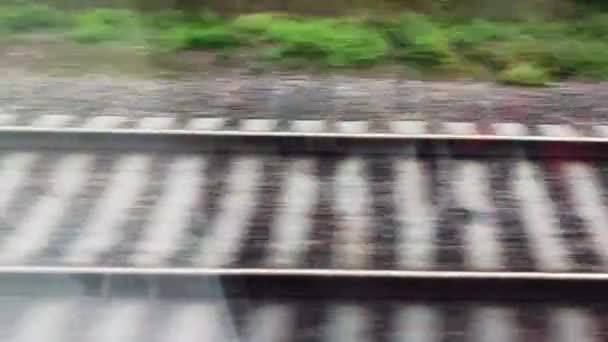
[268, 209]
[411, 203]
[152, 233]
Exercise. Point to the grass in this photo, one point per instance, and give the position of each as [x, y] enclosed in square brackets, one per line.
[577, 57]
[515, 52]
[327, 41]
[478, 32]
[419, 40]
[195, 37]
[106, 25]
[32, 17]
[524, 74]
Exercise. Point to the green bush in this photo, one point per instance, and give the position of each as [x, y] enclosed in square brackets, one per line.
[431, 49]
[404, 32]
[561, 54]
[419, 40]
[203, 19]
[524, 74]
[341, 45]
[499, 55]
[202, 38]
[521, 52]
[215, 37]
[166, 20]
[106, 25]
[593, 27]
[27, 18]
[578, 58]
[545, 30]
[355, 46]
[257, 23]
[332, 42]
[479, 32]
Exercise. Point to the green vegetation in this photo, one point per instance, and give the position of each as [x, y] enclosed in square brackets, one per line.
[27, 18]
[106, 25]
[516, 51]
[417, 39]
[525, 75]
[328, 41]
[193, 37]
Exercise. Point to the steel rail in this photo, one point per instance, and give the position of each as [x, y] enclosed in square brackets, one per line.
[282, 284]
[11, 130]
[305, 273]
[296, 142]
